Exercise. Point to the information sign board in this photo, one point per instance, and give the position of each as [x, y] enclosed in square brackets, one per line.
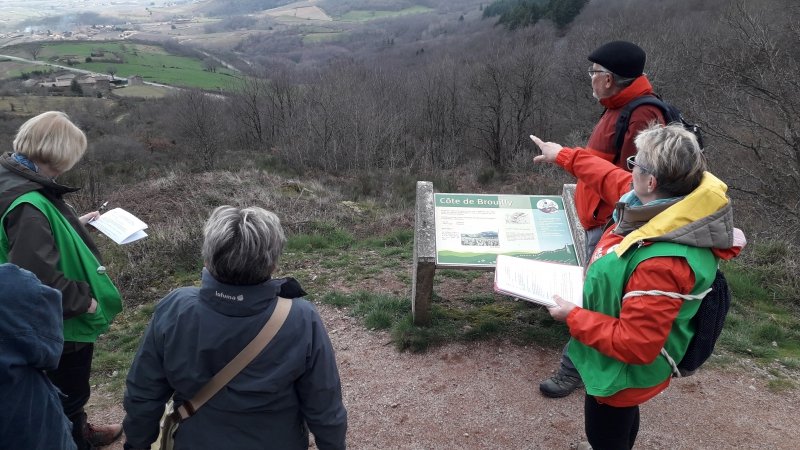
[472, 229]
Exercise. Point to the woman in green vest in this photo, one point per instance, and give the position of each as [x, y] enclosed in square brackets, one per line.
[672, 223]
[44, 235]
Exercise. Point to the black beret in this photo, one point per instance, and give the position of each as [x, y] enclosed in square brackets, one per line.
[621, 57]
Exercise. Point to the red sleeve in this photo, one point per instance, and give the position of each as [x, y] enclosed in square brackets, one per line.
[638, 335]
[598, 174]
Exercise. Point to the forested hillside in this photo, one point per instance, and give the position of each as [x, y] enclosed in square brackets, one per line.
[451, 96]
[522, 13]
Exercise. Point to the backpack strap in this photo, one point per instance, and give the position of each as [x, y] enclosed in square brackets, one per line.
[621, 127]
[237, 364]
[676, 372]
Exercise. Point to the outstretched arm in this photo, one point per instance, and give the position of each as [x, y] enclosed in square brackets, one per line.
[549, 150]
[597, 173]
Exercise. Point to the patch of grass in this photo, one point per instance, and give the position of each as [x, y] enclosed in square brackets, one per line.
[779, 385]
[790, 363]
[488, 320]
[394, 239]
[114, 350]
[518, 322]
[407, 336]
[763, 321]
[766, 333]
[467, 275]
[364, 15]
[338, 299]
[480, 299]
[396, 251]
[143, 91]
[322, 36]
[320, 235]
[343, 260]
[379, 312]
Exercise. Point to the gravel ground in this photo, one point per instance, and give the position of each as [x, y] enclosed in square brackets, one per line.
[485, 396]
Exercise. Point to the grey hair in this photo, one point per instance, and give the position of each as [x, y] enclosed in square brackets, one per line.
[672, 155]
[241, 246]
[619, 81]
[622, 82]
[50, 138]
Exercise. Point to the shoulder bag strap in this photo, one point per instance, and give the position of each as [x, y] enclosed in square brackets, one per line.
[237, 364]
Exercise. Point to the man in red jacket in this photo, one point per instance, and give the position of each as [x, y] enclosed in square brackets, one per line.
[617, 74]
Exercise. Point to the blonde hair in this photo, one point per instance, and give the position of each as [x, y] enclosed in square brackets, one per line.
[50, 138]
[672, 155]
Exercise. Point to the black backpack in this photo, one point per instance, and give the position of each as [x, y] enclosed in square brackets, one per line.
[708, 321]
[670, 112]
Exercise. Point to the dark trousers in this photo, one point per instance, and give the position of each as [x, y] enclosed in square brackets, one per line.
[72, 378]
[608, 427]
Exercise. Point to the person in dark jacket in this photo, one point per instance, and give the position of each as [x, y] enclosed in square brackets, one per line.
[617, 76]
[44, 235]
[291, 387]
[30, 343]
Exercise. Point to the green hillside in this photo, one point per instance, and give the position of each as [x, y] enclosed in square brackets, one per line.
[151, 62]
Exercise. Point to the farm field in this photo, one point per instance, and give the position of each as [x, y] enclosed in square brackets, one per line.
[26, 106]
[150, 62]
[142, 91]
[364, 15]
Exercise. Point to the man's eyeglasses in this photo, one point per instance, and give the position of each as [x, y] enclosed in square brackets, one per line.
[631, 163]
[594, 71]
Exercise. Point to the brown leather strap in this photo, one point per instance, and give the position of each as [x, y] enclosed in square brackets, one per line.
[237, 364]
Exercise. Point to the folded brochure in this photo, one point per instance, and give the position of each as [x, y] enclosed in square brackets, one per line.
[120, 225]
[538, 281]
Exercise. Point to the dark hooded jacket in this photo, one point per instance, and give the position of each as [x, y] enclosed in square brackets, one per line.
[30, 343]
[291, 387]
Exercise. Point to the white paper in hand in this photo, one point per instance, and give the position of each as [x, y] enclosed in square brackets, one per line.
[538, 281]
[120, 225]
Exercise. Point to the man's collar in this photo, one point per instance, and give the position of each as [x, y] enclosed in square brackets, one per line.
[640, 86]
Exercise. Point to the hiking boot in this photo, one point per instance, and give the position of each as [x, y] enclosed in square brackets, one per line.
[102, 435]
[559, 385]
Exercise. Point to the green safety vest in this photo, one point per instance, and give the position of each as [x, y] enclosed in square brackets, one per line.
[603, 291]
[77, 263]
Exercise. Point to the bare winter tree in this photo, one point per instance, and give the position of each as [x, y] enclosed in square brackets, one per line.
[199, 120]
[752, 92]
[210, 64]
[282, 97]
[250, 96]
[34, 49]
[439, 107]
[506, 93]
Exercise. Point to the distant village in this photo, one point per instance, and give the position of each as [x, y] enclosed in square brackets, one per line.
[60, 82]
[83, 84]
[84, 32]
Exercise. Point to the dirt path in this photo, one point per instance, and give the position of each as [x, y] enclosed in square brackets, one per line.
[484, 396]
